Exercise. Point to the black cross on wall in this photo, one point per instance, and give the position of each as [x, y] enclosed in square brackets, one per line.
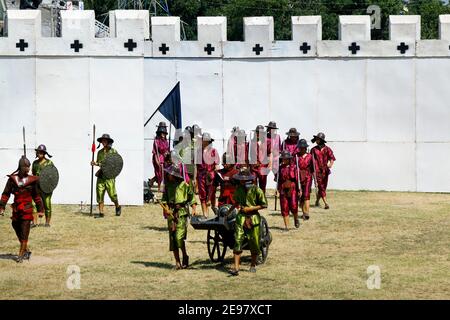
[76, 46]
[22, 45]
[209, 48]
[258, 49]
[305, 47]
[354, 48]
[163, 48]
[130, 45]
[402, 48]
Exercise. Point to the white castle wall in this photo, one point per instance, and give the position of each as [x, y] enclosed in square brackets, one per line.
[386, 113]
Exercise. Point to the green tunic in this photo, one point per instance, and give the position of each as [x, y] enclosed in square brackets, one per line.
[105, 185]
[46, 197]
[246, 198]
[182, 194]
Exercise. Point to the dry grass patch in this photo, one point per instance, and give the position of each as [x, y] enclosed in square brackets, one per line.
[405, 234]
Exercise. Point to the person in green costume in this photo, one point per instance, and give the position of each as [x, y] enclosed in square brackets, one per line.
[249, 198]
[38, 164]
[105, 185]
[177, 197]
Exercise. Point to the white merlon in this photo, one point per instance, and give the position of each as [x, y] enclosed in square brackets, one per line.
[444, 26]
[130, 24]
[354, 28]
[258, 29]
[306, 28]
[165, 29]
[78, 24]
[24, 23]
[404, 28]
[211, 29]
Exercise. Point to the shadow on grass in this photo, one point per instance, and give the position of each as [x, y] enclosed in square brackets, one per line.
[159, 229]
[8, 256]
[207, 264]
[86, 214]
[161, 265]
[282, 229]
[197, 241]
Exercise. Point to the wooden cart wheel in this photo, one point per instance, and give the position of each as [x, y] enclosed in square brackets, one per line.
[265, 240]
[216, 246]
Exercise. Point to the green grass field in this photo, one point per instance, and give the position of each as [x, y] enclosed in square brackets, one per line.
[406, 234]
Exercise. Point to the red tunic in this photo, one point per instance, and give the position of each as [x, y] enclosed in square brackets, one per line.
[275, 149]
[227, 187]
[205, 174]
[287, 187]
[25, 190]
[321, 158]
[238, 152]
[306, 172]
[160, 149]
[290, 146]
[259, 160]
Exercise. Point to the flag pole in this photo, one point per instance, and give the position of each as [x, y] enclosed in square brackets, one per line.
[151, 116]
[93, 148]
[170, 134]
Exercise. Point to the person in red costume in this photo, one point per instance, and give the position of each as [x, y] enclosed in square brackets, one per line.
[290, 143]
[288, 188]
[324, 159]
[206, 171]
[160, 150]
[259, 157]
[225, 181]
[306, 168]
[238, 150]
[24, 187]
[274, 143]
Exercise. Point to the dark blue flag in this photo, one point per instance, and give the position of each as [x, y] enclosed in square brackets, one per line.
[170, 108]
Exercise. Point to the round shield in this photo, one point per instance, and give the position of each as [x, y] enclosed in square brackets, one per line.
[112, 165]
[48, 178]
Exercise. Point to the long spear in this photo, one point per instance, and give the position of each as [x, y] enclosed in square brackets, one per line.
[93, 148]
[276, 188]
[24, 143]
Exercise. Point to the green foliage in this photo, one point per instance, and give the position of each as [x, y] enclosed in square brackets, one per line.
[429, 10]
[282, 10]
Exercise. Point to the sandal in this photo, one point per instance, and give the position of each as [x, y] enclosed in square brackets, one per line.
[252, 269]
[327, 207]
[297, 223]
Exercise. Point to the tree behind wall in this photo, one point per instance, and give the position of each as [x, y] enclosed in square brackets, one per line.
[282, 10]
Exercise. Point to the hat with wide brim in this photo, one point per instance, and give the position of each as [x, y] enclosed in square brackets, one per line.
[272, 125]
[42, 148]
[174, 171]
[106, 137]
[302, 144]
[320, 136]
[207, 137]
[293, 132]
[244, 175]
